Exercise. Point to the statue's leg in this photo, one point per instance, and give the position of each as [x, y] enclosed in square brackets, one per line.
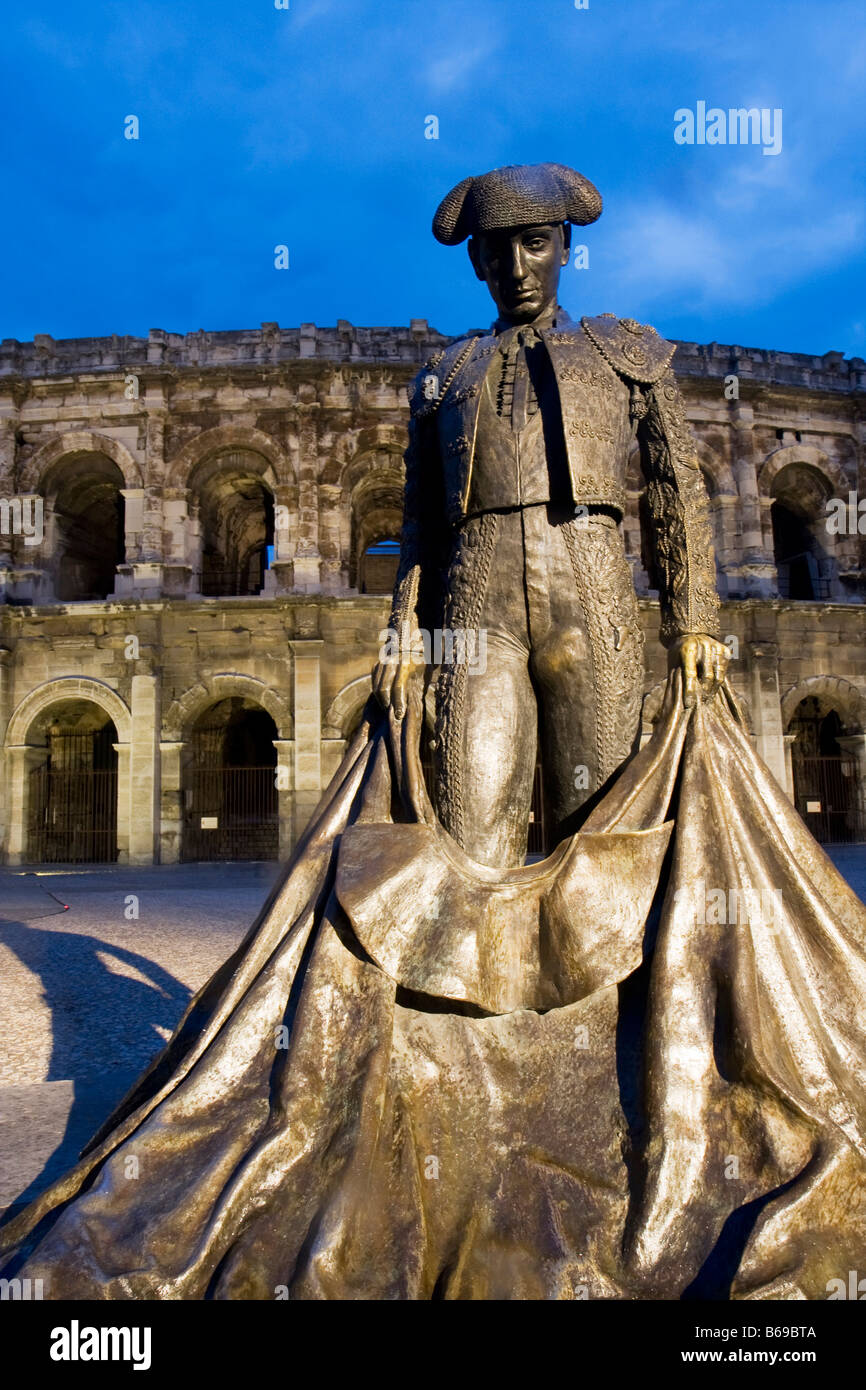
[587, 657]
[486, 707]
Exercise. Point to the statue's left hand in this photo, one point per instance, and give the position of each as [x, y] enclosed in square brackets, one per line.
[703, 661]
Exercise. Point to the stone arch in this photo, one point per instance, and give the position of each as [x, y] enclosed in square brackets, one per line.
[345, 707]
[69, 688]
[342, 713]
[717, 473]
[184, 711]
[378, 439]
[810, 456]
[842, 696]
[222, 439]
[39, 468]
[376, 511]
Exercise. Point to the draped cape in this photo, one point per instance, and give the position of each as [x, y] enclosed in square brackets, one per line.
[633, 1070]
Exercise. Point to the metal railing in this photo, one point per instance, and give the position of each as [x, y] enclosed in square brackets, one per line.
[230, 813]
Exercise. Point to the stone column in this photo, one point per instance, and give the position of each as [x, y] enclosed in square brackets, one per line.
[308, 728]
[179, 533]
[285, 793]
[788, 740]
[758, 567]
[123, 801]
[171, 802]
[279, 578]
[766, 704]
[7, 490]
[307, 560]
[854, 747]
[21, 758]
[335, 566]
[143, 770]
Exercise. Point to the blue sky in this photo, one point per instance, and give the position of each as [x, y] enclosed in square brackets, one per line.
[305, 127]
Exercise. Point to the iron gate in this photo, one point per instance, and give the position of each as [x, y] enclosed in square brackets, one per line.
[231, 813]
[73, 815]
[826, 797]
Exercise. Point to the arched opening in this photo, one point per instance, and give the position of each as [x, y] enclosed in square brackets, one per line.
[825, 786]
[230, 802]
[88, 509]
[237, 524]
[377, 569]
[377, 518]
[72, 796]
[804, 563]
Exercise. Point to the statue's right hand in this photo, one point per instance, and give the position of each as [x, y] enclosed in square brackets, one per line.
[390, 683]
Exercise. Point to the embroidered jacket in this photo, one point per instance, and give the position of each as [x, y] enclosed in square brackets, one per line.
[614, 377]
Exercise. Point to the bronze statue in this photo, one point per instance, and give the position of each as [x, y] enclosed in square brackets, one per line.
[515, 478]
[636, 1069]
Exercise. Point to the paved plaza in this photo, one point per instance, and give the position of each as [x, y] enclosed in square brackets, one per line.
[89, 991]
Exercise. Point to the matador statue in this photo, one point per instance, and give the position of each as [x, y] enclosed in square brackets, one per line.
[580, 1047]
[514, 501]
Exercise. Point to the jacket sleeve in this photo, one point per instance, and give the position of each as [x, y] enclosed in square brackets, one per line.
[679, 509]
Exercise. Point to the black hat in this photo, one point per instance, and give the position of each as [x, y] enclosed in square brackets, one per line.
[517, 195]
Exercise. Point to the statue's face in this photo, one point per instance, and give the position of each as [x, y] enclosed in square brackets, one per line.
[521, 267]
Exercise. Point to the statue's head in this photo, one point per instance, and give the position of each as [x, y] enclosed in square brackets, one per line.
[518, 222]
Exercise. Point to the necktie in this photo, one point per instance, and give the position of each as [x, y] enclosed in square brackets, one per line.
[516, 399]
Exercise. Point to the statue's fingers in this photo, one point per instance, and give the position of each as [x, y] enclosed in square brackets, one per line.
[398, 692]
[690, 674]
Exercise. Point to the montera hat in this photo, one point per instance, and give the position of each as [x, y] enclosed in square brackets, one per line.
[517, 195]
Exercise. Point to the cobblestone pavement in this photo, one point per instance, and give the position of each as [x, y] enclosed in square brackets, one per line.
[89, 992]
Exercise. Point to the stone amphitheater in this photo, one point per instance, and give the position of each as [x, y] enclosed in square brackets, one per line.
[186, 642]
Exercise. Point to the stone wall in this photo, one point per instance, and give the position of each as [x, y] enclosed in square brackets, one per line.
[203, 449]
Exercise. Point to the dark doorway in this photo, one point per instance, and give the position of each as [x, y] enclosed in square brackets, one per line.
[825, 787]
[796, 564]
[89, 517]
[231, 808]
[238, 524]
[73, 798]
[378, 568]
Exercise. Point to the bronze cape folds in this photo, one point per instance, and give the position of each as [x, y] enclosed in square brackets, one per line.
[571, 1079]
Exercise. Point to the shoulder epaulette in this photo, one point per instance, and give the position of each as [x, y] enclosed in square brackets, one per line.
[633, 349]
[426, 389]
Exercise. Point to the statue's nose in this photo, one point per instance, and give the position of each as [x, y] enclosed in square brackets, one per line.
[518, 262]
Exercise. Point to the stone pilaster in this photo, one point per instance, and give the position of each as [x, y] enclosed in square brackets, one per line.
[854, 747]
[757, 567]
[307, 654]
[171, 801]
[21, 759]
[143, 769]
[285, 793]
[766, 706]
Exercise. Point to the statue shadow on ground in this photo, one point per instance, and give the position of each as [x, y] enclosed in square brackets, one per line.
[103, 1027]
